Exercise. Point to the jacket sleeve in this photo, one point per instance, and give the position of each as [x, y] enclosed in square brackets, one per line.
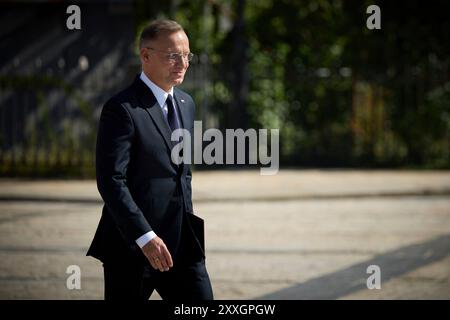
[114, 145]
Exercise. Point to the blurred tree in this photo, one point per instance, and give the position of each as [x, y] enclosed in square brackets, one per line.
[342, 94]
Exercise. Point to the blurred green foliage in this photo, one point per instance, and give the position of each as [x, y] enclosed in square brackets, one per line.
[341, 94]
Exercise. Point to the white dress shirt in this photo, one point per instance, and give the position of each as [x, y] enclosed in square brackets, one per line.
[160, 94]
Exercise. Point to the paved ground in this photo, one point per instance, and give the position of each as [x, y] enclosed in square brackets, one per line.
[297, 235]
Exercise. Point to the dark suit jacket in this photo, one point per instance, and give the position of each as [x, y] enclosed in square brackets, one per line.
[135, 175]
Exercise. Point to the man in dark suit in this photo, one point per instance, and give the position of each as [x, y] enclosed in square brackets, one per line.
[148, 237]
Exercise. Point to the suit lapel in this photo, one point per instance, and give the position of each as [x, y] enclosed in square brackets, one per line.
[151, 105]
[182, 109]
[182, 106]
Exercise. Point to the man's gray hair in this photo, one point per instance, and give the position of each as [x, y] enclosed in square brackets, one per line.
[156, 27]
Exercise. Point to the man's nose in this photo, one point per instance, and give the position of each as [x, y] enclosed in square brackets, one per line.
[183, 60]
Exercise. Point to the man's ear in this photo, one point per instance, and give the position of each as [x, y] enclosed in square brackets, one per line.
[144, 55]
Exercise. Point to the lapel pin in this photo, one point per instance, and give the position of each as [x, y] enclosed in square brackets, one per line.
[182, 100]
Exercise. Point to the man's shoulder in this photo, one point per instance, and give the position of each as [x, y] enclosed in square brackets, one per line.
[125, 96]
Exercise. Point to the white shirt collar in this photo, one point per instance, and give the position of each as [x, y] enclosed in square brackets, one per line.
[160, 94]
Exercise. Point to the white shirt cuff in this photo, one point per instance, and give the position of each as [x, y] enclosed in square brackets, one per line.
[144, 239]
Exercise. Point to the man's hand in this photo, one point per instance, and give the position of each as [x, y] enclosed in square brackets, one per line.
[157, 254]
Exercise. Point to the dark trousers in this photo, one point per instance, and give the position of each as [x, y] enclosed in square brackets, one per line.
[187, 280]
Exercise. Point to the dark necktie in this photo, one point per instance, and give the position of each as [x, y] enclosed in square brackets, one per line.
[172, 119]
[171, 114]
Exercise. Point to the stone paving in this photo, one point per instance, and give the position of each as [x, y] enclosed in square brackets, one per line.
[301, 234]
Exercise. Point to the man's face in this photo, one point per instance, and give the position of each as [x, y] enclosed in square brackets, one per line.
[164, 69]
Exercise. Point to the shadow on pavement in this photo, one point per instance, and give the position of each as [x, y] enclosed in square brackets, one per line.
[343, 282]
